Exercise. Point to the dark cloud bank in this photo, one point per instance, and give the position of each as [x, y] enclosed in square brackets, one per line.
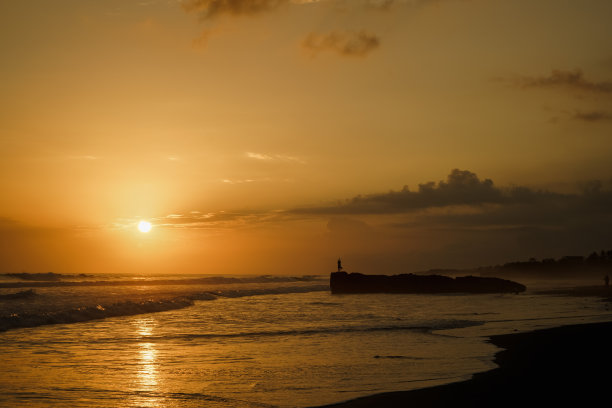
[461, 187]
[482, 223]
[488, 205]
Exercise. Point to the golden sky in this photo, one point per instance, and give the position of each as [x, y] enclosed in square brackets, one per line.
[272, 136]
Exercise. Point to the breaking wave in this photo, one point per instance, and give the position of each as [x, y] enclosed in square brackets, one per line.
[83, 314]
[51, 279]
[21, 319]
[18, 295]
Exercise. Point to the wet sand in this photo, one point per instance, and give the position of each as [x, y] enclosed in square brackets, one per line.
[604, 292]
[570, 365]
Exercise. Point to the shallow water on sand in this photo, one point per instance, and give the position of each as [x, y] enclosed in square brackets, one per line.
[277, 349]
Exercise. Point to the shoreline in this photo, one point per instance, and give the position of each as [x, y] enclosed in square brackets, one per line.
[603, 292]
[561, 365]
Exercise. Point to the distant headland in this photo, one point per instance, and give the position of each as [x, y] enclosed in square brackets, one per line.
[597, 264]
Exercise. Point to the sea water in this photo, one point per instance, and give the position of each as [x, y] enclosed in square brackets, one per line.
[271, 342]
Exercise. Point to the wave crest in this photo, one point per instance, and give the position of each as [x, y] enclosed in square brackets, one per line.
[17, 319]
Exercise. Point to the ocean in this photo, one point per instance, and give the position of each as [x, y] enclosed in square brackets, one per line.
[185, 341]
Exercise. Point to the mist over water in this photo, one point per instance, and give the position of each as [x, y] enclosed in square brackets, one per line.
[274, 343]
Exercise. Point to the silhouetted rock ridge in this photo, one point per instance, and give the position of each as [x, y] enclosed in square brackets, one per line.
[343, 282]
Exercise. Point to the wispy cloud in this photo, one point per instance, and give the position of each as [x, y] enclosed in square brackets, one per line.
[238, 181]
[574, 83]
[215, 220]
[346, 43]
[592, 116]
[574, 79]
[274, 157]
[258, 156]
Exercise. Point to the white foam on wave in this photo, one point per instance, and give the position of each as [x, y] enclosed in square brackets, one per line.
[49, 313]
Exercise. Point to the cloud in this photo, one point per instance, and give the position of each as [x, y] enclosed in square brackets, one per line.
[564, 79]
[592, 116]
[239, 181]
[462, 220]
[573, 81]
[274, 157]
[462, 208]
[464, 202]
[358, 44]
[461, 202]
[258, 156]
[461, 187]
[580, 220]
[215, 220]
[209, 9]
[466, 221]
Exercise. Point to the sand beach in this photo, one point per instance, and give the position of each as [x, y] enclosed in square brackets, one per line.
[567, 365]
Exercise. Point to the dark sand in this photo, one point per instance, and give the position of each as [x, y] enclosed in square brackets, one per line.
[564, 366]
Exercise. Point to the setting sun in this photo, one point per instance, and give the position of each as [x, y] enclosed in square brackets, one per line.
[144, 226]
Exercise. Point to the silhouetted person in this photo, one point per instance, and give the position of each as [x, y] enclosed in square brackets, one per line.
[606, 279]
[339, 264]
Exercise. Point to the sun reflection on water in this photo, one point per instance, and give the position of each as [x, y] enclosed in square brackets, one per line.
[147, 371]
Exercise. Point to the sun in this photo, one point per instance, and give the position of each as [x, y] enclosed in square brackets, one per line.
[144, 226]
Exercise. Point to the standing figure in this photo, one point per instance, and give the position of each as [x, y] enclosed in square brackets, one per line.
[339, 264]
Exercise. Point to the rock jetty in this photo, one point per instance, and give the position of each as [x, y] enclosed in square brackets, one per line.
[343, 282]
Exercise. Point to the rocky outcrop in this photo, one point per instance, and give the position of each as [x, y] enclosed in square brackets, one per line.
[343, 282]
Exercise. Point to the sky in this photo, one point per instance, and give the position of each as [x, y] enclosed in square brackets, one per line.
[274, 136]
